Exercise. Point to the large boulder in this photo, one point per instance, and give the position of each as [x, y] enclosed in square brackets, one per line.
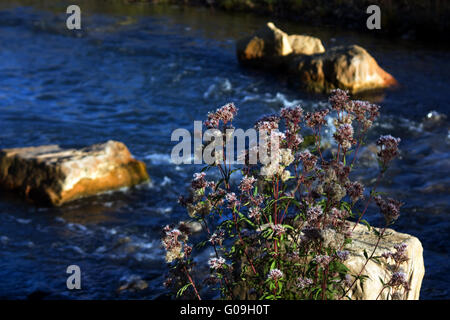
[364, 240]
[414, 268]
[268, 44]
[308, 45]
[304, 58]
[51, 175]
[345, 67]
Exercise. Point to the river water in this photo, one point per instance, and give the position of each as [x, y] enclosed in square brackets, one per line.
[136, 73]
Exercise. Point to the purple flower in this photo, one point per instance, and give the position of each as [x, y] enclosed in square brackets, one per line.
[339, 99]
[316, 119]
[199, 181]
[399, 279]
[314, 213]
[302, 283]
[246, 184]
[344, 136]
[343, 255]
[355, 190]
[217, 238]
[275, 274]
[232, 200]
[216, 263]
[309, 160]
[390, 208]
[388, 148]
[322, 260]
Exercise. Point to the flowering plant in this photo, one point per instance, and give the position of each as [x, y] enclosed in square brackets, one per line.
[282, 232]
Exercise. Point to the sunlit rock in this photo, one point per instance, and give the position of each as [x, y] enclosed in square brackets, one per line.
[345, 67]
[370, 289]
[51, 175]
[308, 45]
[304, 58]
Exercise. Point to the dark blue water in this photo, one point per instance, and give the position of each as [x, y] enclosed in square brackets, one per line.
[135, 76]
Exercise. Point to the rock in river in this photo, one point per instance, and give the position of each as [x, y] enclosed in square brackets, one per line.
[268, 44]
[345, 67]
[305, 60]
[51, 175]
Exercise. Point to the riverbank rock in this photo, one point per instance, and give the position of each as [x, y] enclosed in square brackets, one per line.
[51, 175]
[307, 63]
[414, 268]
[268, 44]
[365, 240]
[345, 67]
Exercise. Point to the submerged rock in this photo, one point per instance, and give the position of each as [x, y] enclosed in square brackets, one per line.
[51, 175]
[304, 58]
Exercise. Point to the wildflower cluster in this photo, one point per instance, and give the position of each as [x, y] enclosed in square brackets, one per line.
[283, 232]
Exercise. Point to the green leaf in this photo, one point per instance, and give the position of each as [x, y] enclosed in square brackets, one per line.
[365, 254]
[182, 290]
[366, 223]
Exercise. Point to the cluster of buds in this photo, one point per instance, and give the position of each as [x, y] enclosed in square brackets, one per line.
[398, 279]
[254, 213]
[400, 254]
[199, 181]
[322, 260]
[355, 190]
[232, 200]
[388, 148]
[313, 213]
[217, 263]
[302, 283]
[278, 229]
[365, 113]
[217, 238]
[275, 275]
[224, 114]
[268, 123]
[308, 160]
[315, 120]
[340, 100]
[172, 242]
[390, 208]
[344, 136]
[246, 184]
